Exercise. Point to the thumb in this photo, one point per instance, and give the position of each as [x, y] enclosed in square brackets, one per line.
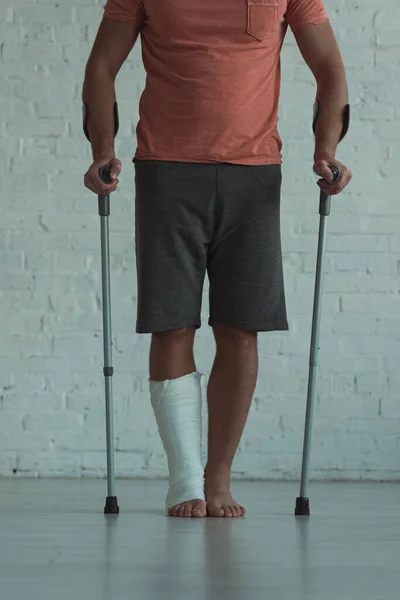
[321, 168]
[115, 168]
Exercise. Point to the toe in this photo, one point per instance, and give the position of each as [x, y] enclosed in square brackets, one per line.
[240, 511]
[187, 510]
[242, 508]
[235, 511]
[227, 510]
[215, 511]
[199, 511]
[181, 511]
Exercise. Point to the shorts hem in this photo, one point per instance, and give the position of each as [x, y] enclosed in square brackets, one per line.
[160, 327]
[251, 326]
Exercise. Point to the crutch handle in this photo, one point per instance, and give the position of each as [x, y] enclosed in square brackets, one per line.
[105, 174]
[336, 174]
[325, 200]
[104, 200]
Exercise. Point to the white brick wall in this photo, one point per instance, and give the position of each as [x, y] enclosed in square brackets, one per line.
[51, 386]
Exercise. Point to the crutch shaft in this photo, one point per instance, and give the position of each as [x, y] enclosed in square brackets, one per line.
[111, 506]
[314, 350]
[302, 502]
[107, 339]
[110, 438]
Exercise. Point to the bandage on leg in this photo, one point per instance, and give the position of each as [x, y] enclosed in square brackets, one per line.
[177, 408]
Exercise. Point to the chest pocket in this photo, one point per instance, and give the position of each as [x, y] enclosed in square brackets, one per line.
[262, 18]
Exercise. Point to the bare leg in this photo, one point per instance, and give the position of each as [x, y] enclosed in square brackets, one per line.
[171, 357]
[230, 391]
[171, 354]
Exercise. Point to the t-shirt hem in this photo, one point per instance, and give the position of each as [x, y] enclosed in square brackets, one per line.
[310, 22]
[256, 160]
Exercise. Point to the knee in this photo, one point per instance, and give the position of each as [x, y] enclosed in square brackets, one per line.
[230, 338]
[175, 337]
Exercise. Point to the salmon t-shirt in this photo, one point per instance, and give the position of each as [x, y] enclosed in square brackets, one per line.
[213, 75]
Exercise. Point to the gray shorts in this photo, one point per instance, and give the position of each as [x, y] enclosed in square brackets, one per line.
[220, 218]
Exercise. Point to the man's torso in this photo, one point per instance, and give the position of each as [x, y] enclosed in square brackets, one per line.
[213, 79]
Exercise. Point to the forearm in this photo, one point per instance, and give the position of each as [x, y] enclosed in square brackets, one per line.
[332, 95]
[99, 95]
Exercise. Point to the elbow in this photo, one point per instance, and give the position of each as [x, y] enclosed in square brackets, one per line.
[98, 75]
[99, 70]
[332, 79]
[331, 71]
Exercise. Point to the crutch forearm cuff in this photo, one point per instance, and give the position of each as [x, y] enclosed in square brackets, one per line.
[346, 119]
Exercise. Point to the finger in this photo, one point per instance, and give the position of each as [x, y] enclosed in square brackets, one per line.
[102, 186]
[109, 189]
[115, 168]
[96, 185]
[103, 190]
[89, 185]
[336, 188]
[322, 168]
[346, 182]
[331, 190]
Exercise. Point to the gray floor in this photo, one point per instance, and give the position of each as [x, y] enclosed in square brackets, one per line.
[55, 543]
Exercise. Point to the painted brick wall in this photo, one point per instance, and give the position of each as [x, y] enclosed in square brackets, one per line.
[51, 386]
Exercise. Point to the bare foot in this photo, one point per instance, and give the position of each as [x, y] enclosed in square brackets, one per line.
[220, 502]
[192, 508]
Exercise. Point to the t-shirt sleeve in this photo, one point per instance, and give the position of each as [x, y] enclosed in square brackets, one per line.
[127, 11]
[301, 13]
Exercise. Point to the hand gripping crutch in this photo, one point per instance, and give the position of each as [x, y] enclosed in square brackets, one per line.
[111, 505]
[302, 502]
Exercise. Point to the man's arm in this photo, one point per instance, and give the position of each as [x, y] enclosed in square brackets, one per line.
[320, 51]
[113, 43]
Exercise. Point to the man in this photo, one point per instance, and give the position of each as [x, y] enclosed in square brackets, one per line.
[208, 178]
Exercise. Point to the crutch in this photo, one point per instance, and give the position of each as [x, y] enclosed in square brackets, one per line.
[111, 505]
[302, 502]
